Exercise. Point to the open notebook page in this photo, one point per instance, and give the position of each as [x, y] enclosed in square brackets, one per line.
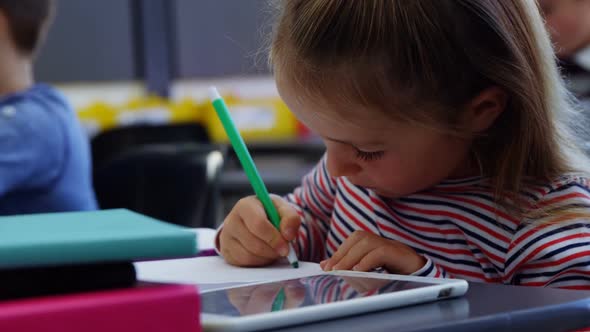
[214, 270]
[205, 238]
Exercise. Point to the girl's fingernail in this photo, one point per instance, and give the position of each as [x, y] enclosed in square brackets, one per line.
[355, 268]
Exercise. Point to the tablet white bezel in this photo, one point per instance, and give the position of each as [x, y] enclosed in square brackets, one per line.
[451, 288]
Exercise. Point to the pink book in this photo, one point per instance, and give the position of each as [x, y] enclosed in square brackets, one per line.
[145, 308]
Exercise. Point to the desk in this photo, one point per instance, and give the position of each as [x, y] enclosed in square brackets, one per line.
[485, 307]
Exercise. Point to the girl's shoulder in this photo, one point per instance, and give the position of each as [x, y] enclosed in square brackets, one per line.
[565, 197]
[558, 216]
[565, 186]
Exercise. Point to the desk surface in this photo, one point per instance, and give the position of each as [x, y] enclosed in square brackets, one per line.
[485, 307]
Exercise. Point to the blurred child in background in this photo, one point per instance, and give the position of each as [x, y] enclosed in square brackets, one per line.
[44, 156]
[568, 21]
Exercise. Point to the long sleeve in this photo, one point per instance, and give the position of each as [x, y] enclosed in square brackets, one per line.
[314, 201]
[31, 152]
[555, 255]
[432, 270]
[554, 252]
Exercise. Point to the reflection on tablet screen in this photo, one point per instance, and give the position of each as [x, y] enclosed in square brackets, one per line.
[295, 293]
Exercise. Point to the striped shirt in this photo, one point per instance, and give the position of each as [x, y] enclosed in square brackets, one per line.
[456, 226]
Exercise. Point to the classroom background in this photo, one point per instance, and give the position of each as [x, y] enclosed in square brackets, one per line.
[137, 73]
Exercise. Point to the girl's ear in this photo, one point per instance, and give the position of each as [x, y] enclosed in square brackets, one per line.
[484, 109]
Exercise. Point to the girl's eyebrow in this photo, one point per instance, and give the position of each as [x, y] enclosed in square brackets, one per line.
[368, 143]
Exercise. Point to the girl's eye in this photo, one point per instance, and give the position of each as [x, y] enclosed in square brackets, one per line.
[369, 156]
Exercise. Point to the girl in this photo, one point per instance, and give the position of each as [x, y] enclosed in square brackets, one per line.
[448, 148]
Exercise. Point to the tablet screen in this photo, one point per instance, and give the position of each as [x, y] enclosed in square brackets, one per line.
[297, 293]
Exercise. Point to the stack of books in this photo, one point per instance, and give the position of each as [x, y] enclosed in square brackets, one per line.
[74, 272]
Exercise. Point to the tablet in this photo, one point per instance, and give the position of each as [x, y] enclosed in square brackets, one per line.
[335, 294]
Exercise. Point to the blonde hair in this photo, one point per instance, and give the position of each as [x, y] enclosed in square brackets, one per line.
[427, 59]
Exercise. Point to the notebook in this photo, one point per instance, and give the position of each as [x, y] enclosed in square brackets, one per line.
[145, 308]
[86, 237]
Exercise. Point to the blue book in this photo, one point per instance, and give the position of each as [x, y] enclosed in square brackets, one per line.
[89, 237]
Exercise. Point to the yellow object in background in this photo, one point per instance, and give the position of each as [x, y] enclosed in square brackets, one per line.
[256, 119]
[150, 101]
[101, 116]
[98, 117]
[186, 111]
[145, 110]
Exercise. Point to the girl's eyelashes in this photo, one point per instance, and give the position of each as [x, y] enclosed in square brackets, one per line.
[369, 156]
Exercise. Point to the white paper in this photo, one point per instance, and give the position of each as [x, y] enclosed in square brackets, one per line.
[214, 270]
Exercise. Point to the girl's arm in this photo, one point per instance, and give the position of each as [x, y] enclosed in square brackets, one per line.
[554, 251]
[556, 255]
[431, 270]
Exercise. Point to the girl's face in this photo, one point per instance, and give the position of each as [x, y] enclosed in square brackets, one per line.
[568, 21]
[393, 159]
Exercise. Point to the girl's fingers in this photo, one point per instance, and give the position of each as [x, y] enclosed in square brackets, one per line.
[236, 254]
[290, 219]
[343, 249]
[371, 260]
[252, 212]
[355, 255]
[254, 244]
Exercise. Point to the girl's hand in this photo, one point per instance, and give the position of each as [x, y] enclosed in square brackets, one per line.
[364, 251]
[249, 239]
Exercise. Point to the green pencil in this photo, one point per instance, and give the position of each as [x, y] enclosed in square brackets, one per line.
[248, 164]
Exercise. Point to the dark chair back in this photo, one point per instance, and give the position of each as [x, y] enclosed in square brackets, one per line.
[109, 144]
[177, 183]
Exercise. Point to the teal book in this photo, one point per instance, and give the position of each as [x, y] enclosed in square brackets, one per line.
[89, 237]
